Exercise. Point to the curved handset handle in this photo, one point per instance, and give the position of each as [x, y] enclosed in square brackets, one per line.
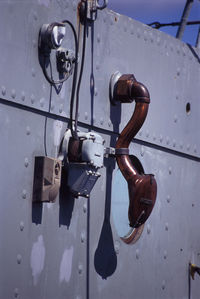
[142, 187]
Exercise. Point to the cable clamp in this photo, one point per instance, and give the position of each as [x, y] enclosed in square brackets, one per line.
[113, 152]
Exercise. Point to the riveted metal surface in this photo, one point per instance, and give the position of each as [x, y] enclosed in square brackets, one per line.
[42, 250]
[71, 249]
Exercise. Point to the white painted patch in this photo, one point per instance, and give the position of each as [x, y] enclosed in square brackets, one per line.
[44, 2]
[37, 259]
[66, 265]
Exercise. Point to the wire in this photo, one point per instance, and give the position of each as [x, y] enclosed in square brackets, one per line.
[81, 70]
[74, 81]
[158, 25]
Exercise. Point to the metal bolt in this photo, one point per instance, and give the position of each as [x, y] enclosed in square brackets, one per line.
[16, 292]
[137, 254]
[154, 136]
[147, 133]
[21, 225]
[148, 229]
[28, 130]
[98, 38]
[13, 93]
[85, 207]
[3, 90]
[24, 194]
[82, 237]
[32, 98]
[86, 115]
[163, 284]
[161, 138]
[188, 147]
[61, 108]
[23, 96]
[167, 140]
[165, 254]
[175, 118]
[109, 123]
[168, 198]
[166, 226]
[80, 269]
[142, 151]
[174, 143]
[170, 170]
[33, 72]
[95, 92]
[97, 66]
[42, 102]
[26, 163]
[19, 259]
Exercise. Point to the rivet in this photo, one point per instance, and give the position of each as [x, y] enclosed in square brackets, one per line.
[154, 136]
[174, 143]
[82, 237]
[35, 16]
[19, 259]
[138, 33]
[52, 106]
[178, 50]
[151, 37]
[181, 249]
[26, 162]
[188, 147]
[195, 149]
[167, 139]
[28, 130]
[175, 118]
[166, 226]
[132, 29]
[42, 102]
[94, 119]
[23, 96]
[170, 170]
[137, 254]
[95, 91]
[85, 207]
[177, 97]
[148, 229]
[16, 292]
[66, 4]
[168, 198]
[181, 145]
[80, 269]
[32, 98]
[193, 205]
[158, 41]
[109, 123]
[147, 133]
[161, 138]
[117, 246]
[24, 193]
[86, 115]
[101, 121]
[97, 66]
[165, 254]
[142, 151]
[3, 90]
[34, 43]
[140, 133]
[13, 93]
[21, 225]
[105, 19]
[145, 36]
[111, 20]
[61, 108]
[33, 72]
[171, 48]
[74, 5]
[163, 284]
[98, 38]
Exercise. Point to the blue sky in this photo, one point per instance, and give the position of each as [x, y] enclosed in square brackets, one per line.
[163, 11]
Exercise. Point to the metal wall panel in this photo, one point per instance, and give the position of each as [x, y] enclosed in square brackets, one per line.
[72, 248]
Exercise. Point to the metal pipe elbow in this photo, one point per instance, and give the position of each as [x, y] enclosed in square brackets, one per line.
[142, 187]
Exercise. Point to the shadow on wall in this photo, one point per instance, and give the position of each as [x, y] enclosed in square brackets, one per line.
[105, 259]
